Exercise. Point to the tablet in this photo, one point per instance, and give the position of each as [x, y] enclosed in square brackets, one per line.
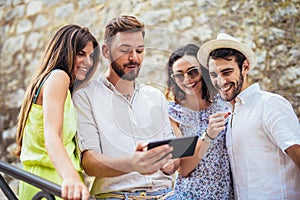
[183, 146]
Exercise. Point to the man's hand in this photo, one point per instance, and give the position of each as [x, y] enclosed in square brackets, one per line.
[148, 162]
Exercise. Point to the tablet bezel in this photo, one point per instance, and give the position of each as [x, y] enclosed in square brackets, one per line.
[183, 146]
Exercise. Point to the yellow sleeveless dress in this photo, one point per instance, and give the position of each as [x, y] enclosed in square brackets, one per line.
[34, 156]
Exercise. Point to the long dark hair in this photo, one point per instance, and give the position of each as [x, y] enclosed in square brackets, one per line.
[60, 53]
[173, 91]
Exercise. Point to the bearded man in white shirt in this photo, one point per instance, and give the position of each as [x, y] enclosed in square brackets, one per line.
[263, 133]
[116, 114]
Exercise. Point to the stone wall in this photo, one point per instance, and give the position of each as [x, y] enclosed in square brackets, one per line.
[271, 28]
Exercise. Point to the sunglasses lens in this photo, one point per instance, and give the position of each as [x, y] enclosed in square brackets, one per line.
[178, 77]
[193, 73]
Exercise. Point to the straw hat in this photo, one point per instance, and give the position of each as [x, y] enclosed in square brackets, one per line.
[225, 41]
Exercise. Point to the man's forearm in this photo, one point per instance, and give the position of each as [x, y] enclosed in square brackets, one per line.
[99, 165]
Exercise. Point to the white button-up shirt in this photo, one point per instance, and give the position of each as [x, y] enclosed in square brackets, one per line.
[111, 125]
[262, 127]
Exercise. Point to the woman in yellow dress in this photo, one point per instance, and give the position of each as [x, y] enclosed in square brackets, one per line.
[47, 121]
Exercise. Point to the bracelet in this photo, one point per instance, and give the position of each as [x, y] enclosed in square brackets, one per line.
[208, 135]
[207, 138]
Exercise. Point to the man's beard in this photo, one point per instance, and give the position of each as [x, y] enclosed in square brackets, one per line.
[130, 75]
[236, 91]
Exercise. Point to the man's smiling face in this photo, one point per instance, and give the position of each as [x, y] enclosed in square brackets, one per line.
[226, 77]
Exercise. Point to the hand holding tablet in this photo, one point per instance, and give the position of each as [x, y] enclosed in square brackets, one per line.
[183, 146]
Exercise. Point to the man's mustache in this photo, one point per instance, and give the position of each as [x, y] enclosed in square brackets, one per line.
[132, 63]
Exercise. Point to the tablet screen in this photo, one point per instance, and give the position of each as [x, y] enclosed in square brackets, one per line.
[183, 146]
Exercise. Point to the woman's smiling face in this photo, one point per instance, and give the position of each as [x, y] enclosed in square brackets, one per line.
[189, 68]
[84, 61]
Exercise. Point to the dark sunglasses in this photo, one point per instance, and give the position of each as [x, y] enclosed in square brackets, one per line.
[191, 73]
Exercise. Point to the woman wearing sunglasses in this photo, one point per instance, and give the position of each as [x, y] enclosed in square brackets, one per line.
[192, 99]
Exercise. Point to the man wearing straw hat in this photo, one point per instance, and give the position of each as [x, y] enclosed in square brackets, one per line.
[263, 133]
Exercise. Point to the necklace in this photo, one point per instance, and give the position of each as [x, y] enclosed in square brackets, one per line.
[127, 96]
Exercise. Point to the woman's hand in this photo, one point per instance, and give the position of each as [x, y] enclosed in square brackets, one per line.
[171, 166]
[216, 123]
[73, 188]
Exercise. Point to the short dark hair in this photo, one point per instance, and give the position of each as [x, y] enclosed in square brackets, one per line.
[124, 23]
[225, 53]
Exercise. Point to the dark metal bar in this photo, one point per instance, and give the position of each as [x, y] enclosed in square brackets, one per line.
[6, 189]
[32, 179]
[49, 189]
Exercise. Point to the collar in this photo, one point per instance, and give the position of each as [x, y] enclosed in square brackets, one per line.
[248, 93]
[110, 86]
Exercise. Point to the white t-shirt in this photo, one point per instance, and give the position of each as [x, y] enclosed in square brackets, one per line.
[111, 125]
[263, 126]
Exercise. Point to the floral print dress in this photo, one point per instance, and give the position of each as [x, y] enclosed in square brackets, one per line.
[211, 179]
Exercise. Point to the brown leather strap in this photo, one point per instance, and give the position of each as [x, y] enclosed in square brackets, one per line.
[142, 196]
